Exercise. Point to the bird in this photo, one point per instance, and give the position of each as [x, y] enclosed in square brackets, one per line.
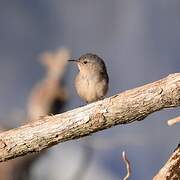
[92, 81]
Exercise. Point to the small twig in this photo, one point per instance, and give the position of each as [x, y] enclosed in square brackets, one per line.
[128, 167]
[173, 121]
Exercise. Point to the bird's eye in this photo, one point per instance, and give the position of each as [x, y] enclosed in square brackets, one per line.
[85, 62]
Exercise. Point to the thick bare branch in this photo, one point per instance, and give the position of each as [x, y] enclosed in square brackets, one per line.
[122, 108]
[171, 169]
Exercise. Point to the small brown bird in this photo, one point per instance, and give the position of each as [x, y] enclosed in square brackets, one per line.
[92, 80]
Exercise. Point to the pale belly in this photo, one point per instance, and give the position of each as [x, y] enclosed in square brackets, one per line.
[90, 89]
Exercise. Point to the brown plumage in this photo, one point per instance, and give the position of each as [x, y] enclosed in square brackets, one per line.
[92, 80]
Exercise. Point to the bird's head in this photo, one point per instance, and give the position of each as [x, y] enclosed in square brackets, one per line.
[89, 62]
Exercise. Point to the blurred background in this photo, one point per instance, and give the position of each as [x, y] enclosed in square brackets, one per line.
[139, 41]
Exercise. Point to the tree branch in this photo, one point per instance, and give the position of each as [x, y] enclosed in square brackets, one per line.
[128, 167]
[171, 169]
[122, 108]
[173, 121]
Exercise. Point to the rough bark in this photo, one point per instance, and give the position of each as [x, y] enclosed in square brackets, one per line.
[171, 170]
[126, 107]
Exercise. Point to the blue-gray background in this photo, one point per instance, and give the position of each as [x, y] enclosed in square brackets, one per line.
[139, 41]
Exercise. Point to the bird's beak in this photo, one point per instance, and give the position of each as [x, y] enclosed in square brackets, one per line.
[76, 61]
[72, 60]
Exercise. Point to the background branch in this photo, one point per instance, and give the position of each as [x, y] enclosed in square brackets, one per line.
[173, 121]
[128, 167]
[122, 108]
[44, 99]
[171, 169]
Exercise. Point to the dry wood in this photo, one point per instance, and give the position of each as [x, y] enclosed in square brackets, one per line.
[171, 170]
[173, 121]
[128, 167]
[126, 107]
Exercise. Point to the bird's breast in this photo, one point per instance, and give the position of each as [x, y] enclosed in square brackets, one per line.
[90, 88]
